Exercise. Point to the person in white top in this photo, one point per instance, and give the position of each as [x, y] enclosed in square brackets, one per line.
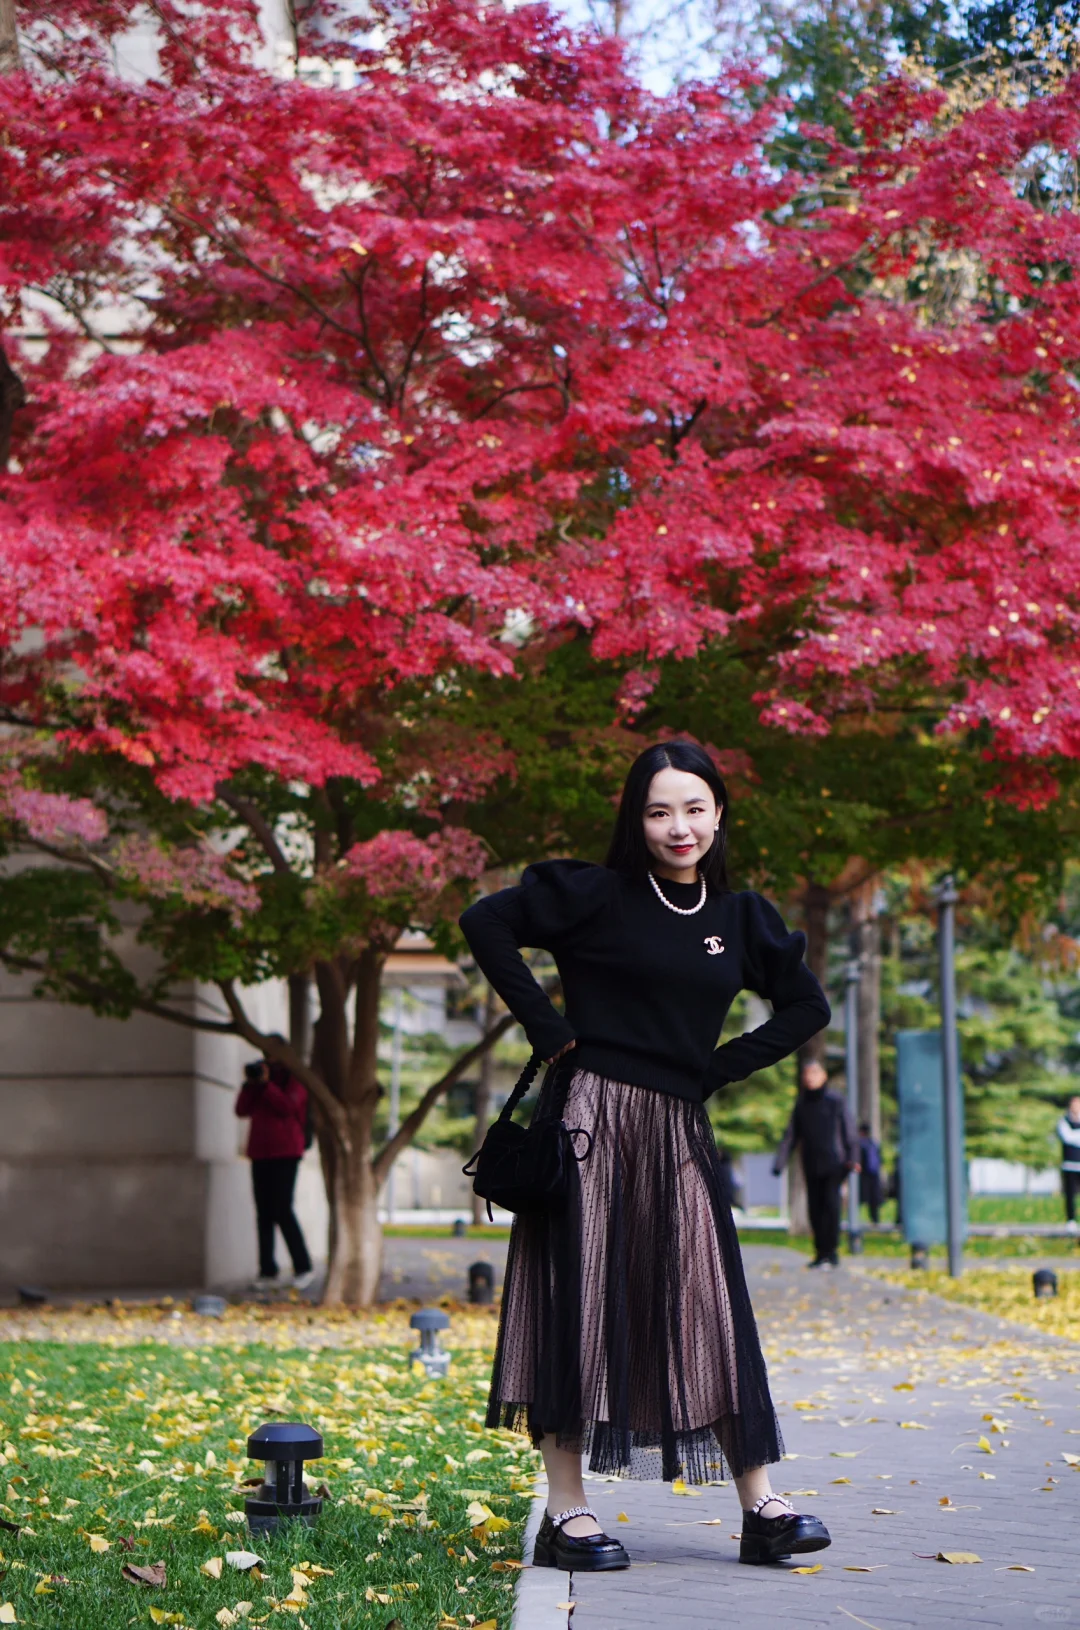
[1068, 1130]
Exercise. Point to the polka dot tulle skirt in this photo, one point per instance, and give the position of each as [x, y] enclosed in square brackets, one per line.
[626, 1327]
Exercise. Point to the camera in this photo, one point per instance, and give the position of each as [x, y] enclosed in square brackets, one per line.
[254, 1072]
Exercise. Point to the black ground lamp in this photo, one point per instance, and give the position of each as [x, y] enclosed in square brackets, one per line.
[920, 1256]
[429, 1321]
[1044, 1282]
[482, 1283]
[284, 1445]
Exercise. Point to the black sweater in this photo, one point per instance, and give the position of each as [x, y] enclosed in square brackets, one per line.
[646, 991]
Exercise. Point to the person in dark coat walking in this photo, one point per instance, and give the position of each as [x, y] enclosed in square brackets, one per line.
[276, 1104]
[822, 1126]
[870, 1185]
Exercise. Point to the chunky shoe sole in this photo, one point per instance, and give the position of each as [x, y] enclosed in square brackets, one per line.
[758, 1549]
[579, 1561]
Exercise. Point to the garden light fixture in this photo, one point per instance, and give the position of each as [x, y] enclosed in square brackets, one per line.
[482, 1283]
[1044, 1282]
[284, 1445]
[429, 1321]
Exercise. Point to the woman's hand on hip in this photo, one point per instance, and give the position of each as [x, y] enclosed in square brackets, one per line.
[561, 1053]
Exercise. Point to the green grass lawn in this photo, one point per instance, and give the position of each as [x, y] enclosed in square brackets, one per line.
[136, 1454]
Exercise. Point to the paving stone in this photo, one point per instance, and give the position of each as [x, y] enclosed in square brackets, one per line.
[866, 1356]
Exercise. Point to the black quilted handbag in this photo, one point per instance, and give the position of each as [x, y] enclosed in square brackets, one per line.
[526, 1168]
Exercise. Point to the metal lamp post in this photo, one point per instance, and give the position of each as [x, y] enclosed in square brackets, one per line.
[852, 976]
[950, 1062]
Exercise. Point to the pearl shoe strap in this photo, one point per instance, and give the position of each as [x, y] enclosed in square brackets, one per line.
[571, 1512]
[766, 1499]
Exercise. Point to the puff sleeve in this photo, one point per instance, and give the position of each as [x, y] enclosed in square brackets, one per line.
[555, 899]
[773, 967]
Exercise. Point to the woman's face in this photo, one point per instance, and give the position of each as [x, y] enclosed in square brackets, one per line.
[681, 818]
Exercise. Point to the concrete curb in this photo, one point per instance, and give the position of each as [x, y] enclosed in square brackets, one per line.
[539, 1590]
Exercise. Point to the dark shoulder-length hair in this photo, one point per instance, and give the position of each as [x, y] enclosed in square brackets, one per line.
[628, 852]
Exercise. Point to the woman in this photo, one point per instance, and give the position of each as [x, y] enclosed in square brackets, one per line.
[277, 1106]
[626, 1331]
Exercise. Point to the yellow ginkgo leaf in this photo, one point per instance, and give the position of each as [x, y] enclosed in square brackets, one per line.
[212, 1567]
[842, 1480]
[816, 1568]
[914, 1426]
[958, 1556]
[226, 1618]
[98, 1542]
[7, 1613]
[984, 1444]
[1070, 1460]
[487, 1624]
[158, 1615]
[679, 1487]
[622, 1517]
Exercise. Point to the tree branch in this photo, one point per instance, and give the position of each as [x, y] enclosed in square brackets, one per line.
[92, 988]
[253, 817]
[412, 1123]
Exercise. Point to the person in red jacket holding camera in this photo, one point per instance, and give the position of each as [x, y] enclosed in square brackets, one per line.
[277, 1106]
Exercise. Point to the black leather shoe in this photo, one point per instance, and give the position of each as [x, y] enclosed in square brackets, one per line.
[591, 1553]
[774, 1539]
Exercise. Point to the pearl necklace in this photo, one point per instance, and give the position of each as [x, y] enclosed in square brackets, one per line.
[680, 911]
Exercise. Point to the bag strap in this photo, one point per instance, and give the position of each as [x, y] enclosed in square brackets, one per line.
[524, 1082]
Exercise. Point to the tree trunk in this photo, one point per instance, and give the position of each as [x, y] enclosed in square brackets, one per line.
[300, 1013]
[867, 948]
[354, 1238]
[9, 38]
[352, 1276]
[483, 1098]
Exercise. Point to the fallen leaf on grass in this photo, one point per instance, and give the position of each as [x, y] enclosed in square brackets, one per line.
[7, 1613]
[509, 1566]
[226, 1618]
[211, 1567]
[159, 1616]
[153, 1574]
[98, 1543]
[242, 1560]
[487, 1624]
[816, 1568]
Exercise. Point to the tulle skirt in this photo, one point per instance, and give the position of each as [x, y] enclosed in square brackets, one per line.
[626, 1327]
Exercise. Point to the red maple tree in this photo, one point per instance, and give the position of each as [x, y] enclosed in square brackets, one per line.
[348, 390]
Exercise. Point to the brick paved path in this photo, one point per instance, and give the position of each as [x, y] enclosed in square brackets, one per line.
[851, 1360]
